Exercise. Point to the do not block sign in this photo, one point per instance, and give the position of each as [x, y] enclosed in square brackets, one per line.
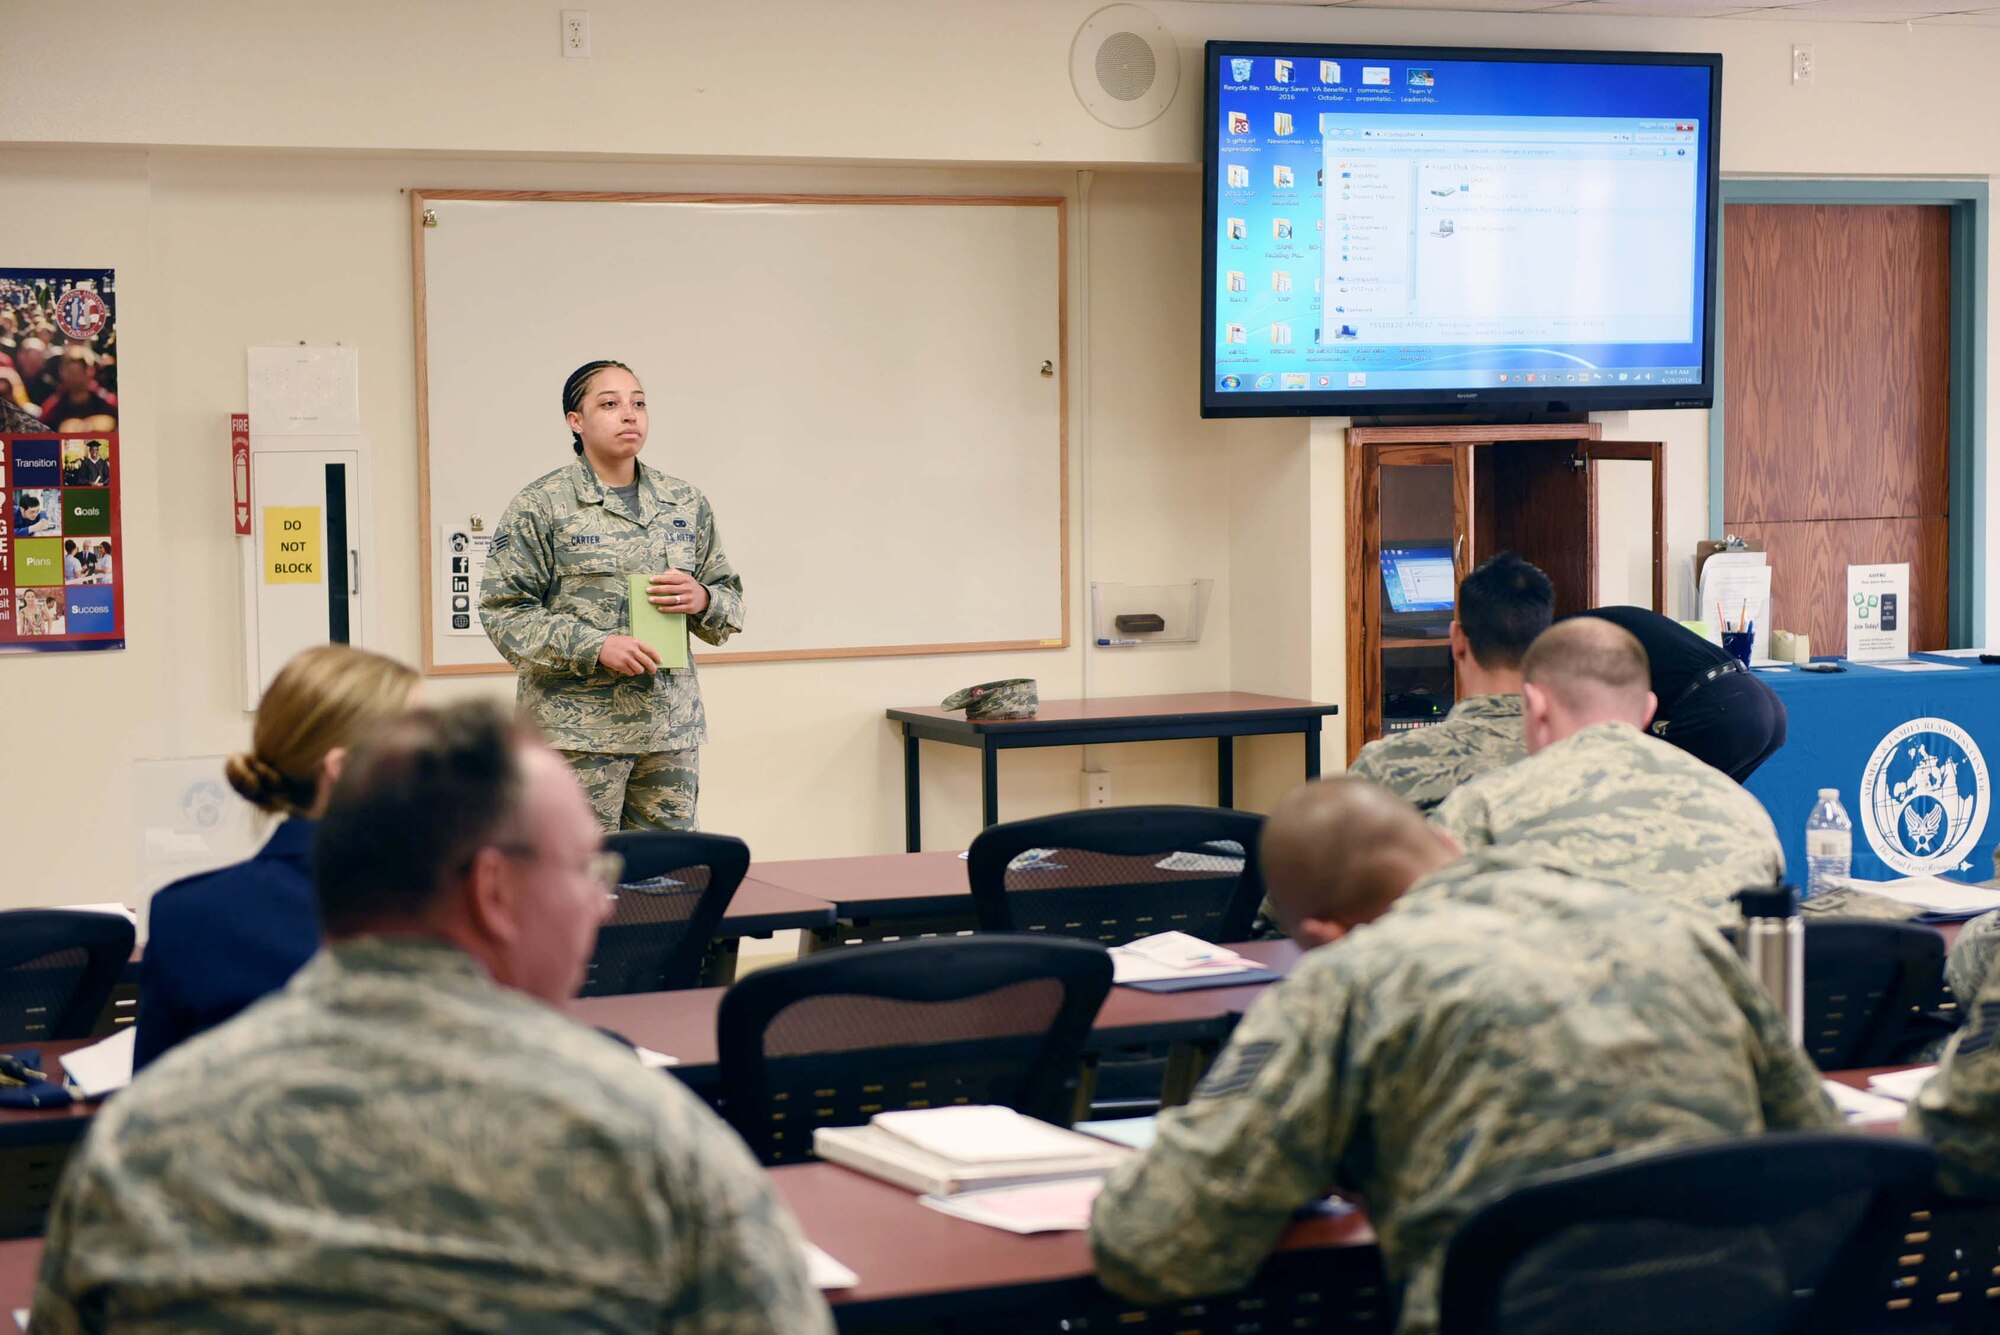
[291, 544]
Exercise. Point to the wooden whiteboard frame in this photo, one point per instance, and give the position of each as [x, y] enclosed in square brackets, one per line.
[419, 198]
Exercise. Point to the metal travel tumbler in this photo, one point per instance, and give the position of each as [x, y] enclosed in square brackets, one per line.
[1772, 944]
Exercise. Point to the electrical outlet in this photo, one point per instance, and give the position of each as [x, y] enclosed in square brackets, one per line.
[576, 34]
[1096, 788]
[1802, 64]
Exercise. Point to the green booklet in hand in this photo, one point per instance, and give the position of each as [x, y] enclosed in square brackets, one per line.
[666, 633]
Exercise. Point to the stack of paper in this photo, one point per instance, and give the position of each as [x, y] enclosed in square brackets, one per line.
[1940, 900]
[1175, 962]
[827, 1273]
[1045, 1207]
[1736, 587]
[945, 1151]
[1859, 1105]
[1901, 1085]
[102, 1068]
[1132, 1132]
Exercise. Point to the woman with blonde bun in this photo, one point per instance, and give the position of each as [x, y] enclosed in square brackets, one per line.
[223, 939]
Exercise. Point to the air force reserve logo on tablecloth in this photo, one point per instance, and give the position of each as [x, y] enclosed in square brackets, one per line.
[1924, 797]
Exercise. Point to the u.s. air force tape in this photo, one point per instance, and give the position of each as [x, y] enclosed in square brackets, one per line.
[1234, 1070]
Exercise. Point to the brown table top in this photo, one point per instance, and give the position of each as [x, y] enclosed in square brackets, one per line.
[761, 906]
[1126, 708]
[880, 878]
[20, 1259]
[902, 1250]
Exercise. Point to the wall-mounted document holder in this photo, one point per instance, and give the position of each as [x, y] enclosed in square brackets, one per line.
[1127, 615]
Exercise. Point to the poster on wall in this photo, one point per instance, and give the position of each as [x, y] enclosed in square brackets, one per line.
[61, 462]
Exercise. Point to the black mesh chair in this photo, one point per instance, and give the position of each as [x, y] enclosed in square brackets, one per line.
[1868, 985]
[836, 1038]
[1945, 1271]
[670, 899]
[1762, 1235]
[1116, 874]
[33, 1153]
[57, 969]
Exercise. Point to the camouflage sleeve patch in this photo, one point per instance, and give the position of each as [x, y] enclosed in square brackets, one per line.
[723, 616]
[515, 597]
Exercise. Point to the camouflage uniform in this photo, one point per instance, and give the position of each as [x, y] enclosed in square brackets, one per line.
[395, 1143]
[555, 590]
[1479, 734]
[1498, 1021]
[1616, 805]
[1958, 1110]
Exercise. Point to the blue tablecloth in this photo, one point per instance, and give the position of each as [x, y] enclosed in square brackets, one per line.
[1914, 754]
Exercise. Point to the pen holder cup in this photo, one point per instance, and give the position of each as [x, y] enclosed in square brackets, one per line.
[1739, 642]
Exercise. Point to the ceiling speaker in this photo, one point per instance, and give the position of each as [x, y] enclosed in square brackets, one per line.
[1124, 66]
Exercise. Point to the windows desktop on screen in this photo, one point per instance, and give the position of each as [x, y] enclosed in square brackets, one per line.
[1408, 224]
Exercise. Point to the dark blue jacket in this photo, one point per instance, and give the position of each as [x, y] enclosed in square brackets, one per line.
[219, 941]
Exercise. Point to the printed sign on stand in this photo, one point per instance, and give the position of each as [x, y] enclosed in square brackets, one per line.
[1878, 612]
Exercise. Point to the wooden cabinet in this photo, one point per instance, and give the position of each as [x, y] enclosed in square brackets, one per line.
[1588, 511]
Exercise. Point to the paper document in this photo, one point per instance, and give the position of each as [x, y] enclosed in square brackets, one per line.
[21, 1319]
[1045, 1207]
[102, 1068]
[663, 632]
[1956, 653]
[1134, 1133]
[1933, 894]
[1902, 1085]
[982, 1134]
[1736, 587]
[654, 1060]
[1858, 1105]
[827, 1273]
[1171, 955]
[1766, 664]
[1915, 665]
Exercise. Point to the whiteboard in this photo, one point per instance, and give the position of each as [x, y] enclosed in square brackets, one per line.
[870, 391]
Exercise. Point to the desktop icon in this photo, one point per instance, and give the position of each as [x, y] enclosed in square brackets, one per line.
[1238, 230]
[1420, 78]
[1292, 380]
[1281, 229]
[1239, 69]
[1281, 177]
[1329, 71]
[1503, 377]
[1281, 122]
[1281, 70]
[1233, 333]
[1375, 76]
[1357, 380]
[1239, 176]
[1237, 282]
[1281, 335]
[1280, 281]
[1325, 381]
[1231, 382]
[1239, 122]
[1264, 381]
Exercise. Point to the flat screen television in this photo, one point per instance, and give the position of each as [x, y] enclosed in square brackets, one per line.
[1425, 230]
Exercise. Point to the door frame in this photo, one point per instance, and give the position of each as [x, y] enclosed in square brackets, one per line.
[1965, 561]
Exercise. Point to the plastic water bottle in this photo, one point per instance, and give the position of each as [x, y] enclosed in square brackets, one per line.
[1829, 844]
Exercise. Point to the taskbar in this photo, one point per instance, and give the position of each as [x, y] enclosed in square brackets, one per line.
[1323, 379]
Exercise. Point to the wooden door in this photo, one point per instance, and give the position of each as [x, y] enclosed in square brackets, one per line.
[1836, 354]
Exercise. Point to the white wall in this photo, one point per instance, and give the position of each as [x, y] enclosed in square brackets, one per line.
[240, 164]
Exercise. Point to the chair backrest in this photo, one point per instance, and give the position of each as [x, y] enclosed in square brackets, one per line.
[670, 900]
[33, 1154]
[1115, 874]
[1944, 1270]
[57, 969]
[1760, 1235]
[1867, 985]
[838, 1037]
